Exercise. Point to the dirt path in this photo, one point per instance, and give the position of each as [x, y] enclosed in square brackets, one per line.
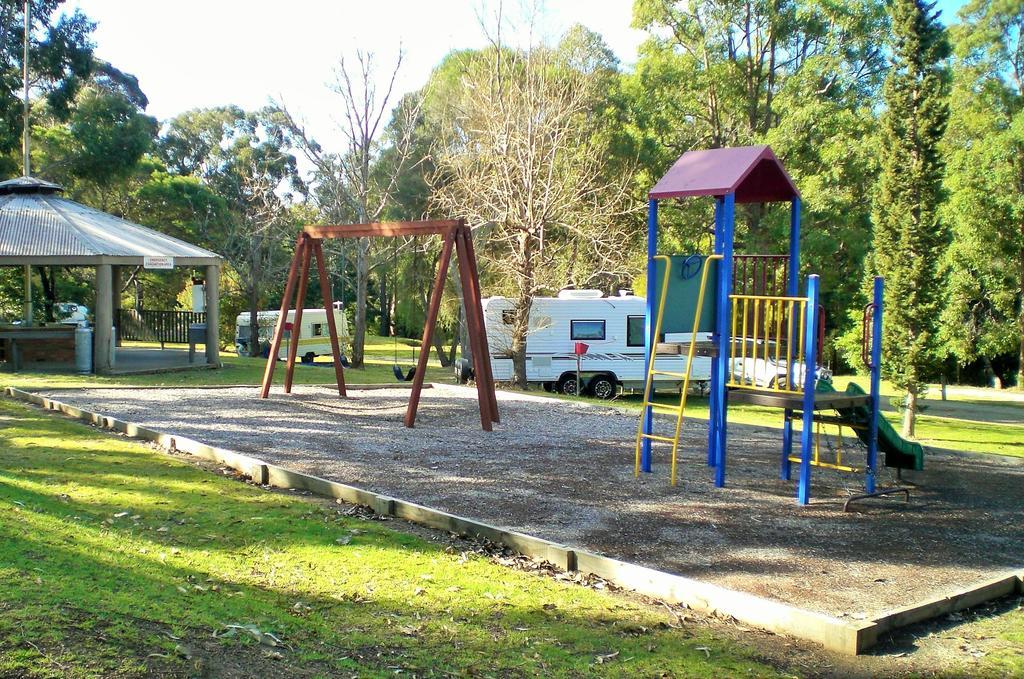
[564, 471]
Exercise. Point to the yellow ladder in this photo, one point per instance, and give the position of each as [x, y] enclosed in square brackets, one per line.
[680, 410]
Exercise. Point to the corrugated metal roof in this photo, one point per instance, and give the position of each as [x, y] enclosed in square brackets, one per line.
[43, 224]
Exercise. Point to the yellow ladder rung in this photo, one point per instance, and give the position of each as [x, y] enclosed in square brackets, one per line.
[661, 407]
[828, 465]
[669, 374]
[665, 439]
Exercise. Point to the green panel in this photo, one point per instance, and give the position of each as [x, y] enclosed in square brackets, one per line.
[684, 291]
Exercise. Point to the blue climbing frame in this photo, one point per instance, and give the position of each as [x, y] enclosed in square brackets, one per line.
[748, 175]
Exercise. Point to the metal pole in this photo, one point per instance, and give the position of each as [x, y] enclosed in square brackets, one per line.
[876, 383]
[722, 330]
[792, 289]
[810, 373]
[713, 392]
[650, 341]
[24, 74]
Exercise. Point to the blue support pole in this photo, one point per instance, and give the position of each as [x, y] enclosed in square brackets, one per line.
[876, 383]
[724, 339]
[792, 290]
[810, 374]
[785, 470]
[650, 341]
[713, 396]
[793, 284]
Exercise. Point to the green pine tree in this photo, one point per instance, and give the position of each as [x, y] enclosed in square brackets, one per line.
[909, 238]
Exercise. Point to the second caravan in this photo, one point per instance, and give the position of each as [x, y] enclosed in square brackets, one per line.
[613, 329]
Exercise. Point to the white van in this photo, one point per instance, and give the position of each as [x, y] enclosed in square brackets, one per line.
[314, 340]
[613, 329]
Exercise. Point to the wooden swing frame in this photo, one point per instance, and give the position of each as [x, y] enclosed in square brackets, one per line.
[456, 236]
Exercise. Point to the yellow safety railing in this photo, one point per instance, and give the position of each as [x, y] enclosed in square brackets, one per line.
[652, 370]
[766, 351]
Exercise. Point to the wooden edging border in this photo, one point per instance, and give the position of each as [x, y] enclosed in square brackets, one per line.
[832, 633]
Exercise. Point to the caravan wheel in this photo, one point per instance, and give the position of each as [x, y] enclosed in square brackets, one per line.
[603, 387]
[567, 385]
[308, 357]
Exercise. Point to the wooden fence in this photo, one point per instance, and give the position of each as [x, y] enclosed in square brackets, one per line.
[149, 325]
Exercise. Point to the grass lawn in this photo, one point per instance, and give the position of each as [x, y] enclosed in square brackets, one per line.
[117, 560]
[243, 370]
[971, 420]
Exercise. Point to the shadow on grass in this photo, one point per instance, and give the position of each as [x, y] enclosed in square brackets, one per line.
[242, 556]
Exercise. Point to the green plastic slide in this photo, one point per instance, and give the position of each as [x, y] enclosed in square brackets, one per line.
[898, 451]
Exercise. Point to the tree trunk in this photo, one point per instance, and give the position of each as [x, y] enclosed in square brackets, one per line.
[362, 283]
[451, 350]
[462, 332]
[520, 331]
[48, 278]
[254, 322]
[910, 414]
[521, 310]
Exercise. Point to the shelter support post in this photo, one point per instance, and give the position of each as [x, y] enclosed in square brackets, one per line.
[26, 306]
[115, 301]
[650, 341]
[810, 373]
[212, 292]
[102, 337]
[723, 337]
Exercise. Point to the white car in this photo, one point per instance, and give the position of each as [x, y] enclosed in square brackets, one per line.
[769, 373]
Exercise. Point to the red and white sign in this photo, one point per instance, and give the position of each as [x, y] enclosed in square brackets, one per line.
[158, 262]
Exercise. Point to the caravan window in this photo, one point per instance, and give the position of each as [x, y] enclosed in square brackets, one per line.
[586, 330]
[318, 329]
[634, 331]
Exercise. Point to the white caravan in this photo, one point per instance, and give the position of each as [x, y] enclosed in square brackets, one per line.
[613, 329]
[314, 340]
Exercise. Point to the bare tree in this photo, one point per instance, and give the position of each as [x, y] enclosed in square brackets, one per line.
[521, 162]
[352, 184]
[254, 244]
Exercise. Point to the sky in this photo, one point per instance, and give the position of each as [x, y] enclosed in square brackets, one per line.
[191, 53]
[201, 53]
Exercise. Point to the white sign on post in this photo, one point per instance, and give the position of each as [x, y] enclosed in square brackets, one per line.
[158, 262]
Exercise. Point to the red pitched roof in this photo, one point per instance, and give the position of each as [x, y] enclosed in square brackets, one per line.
[752, 172]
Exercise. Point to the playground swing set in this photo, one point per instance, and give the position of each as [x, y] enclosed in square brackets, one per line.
[456, 238]
[765, 335]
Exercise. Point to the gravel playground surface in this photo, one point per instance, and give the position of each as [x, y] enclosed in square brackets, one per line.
[564, 471]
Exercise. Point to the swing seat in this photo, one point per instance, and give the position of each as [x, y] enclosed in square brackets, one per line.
[406, 377]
